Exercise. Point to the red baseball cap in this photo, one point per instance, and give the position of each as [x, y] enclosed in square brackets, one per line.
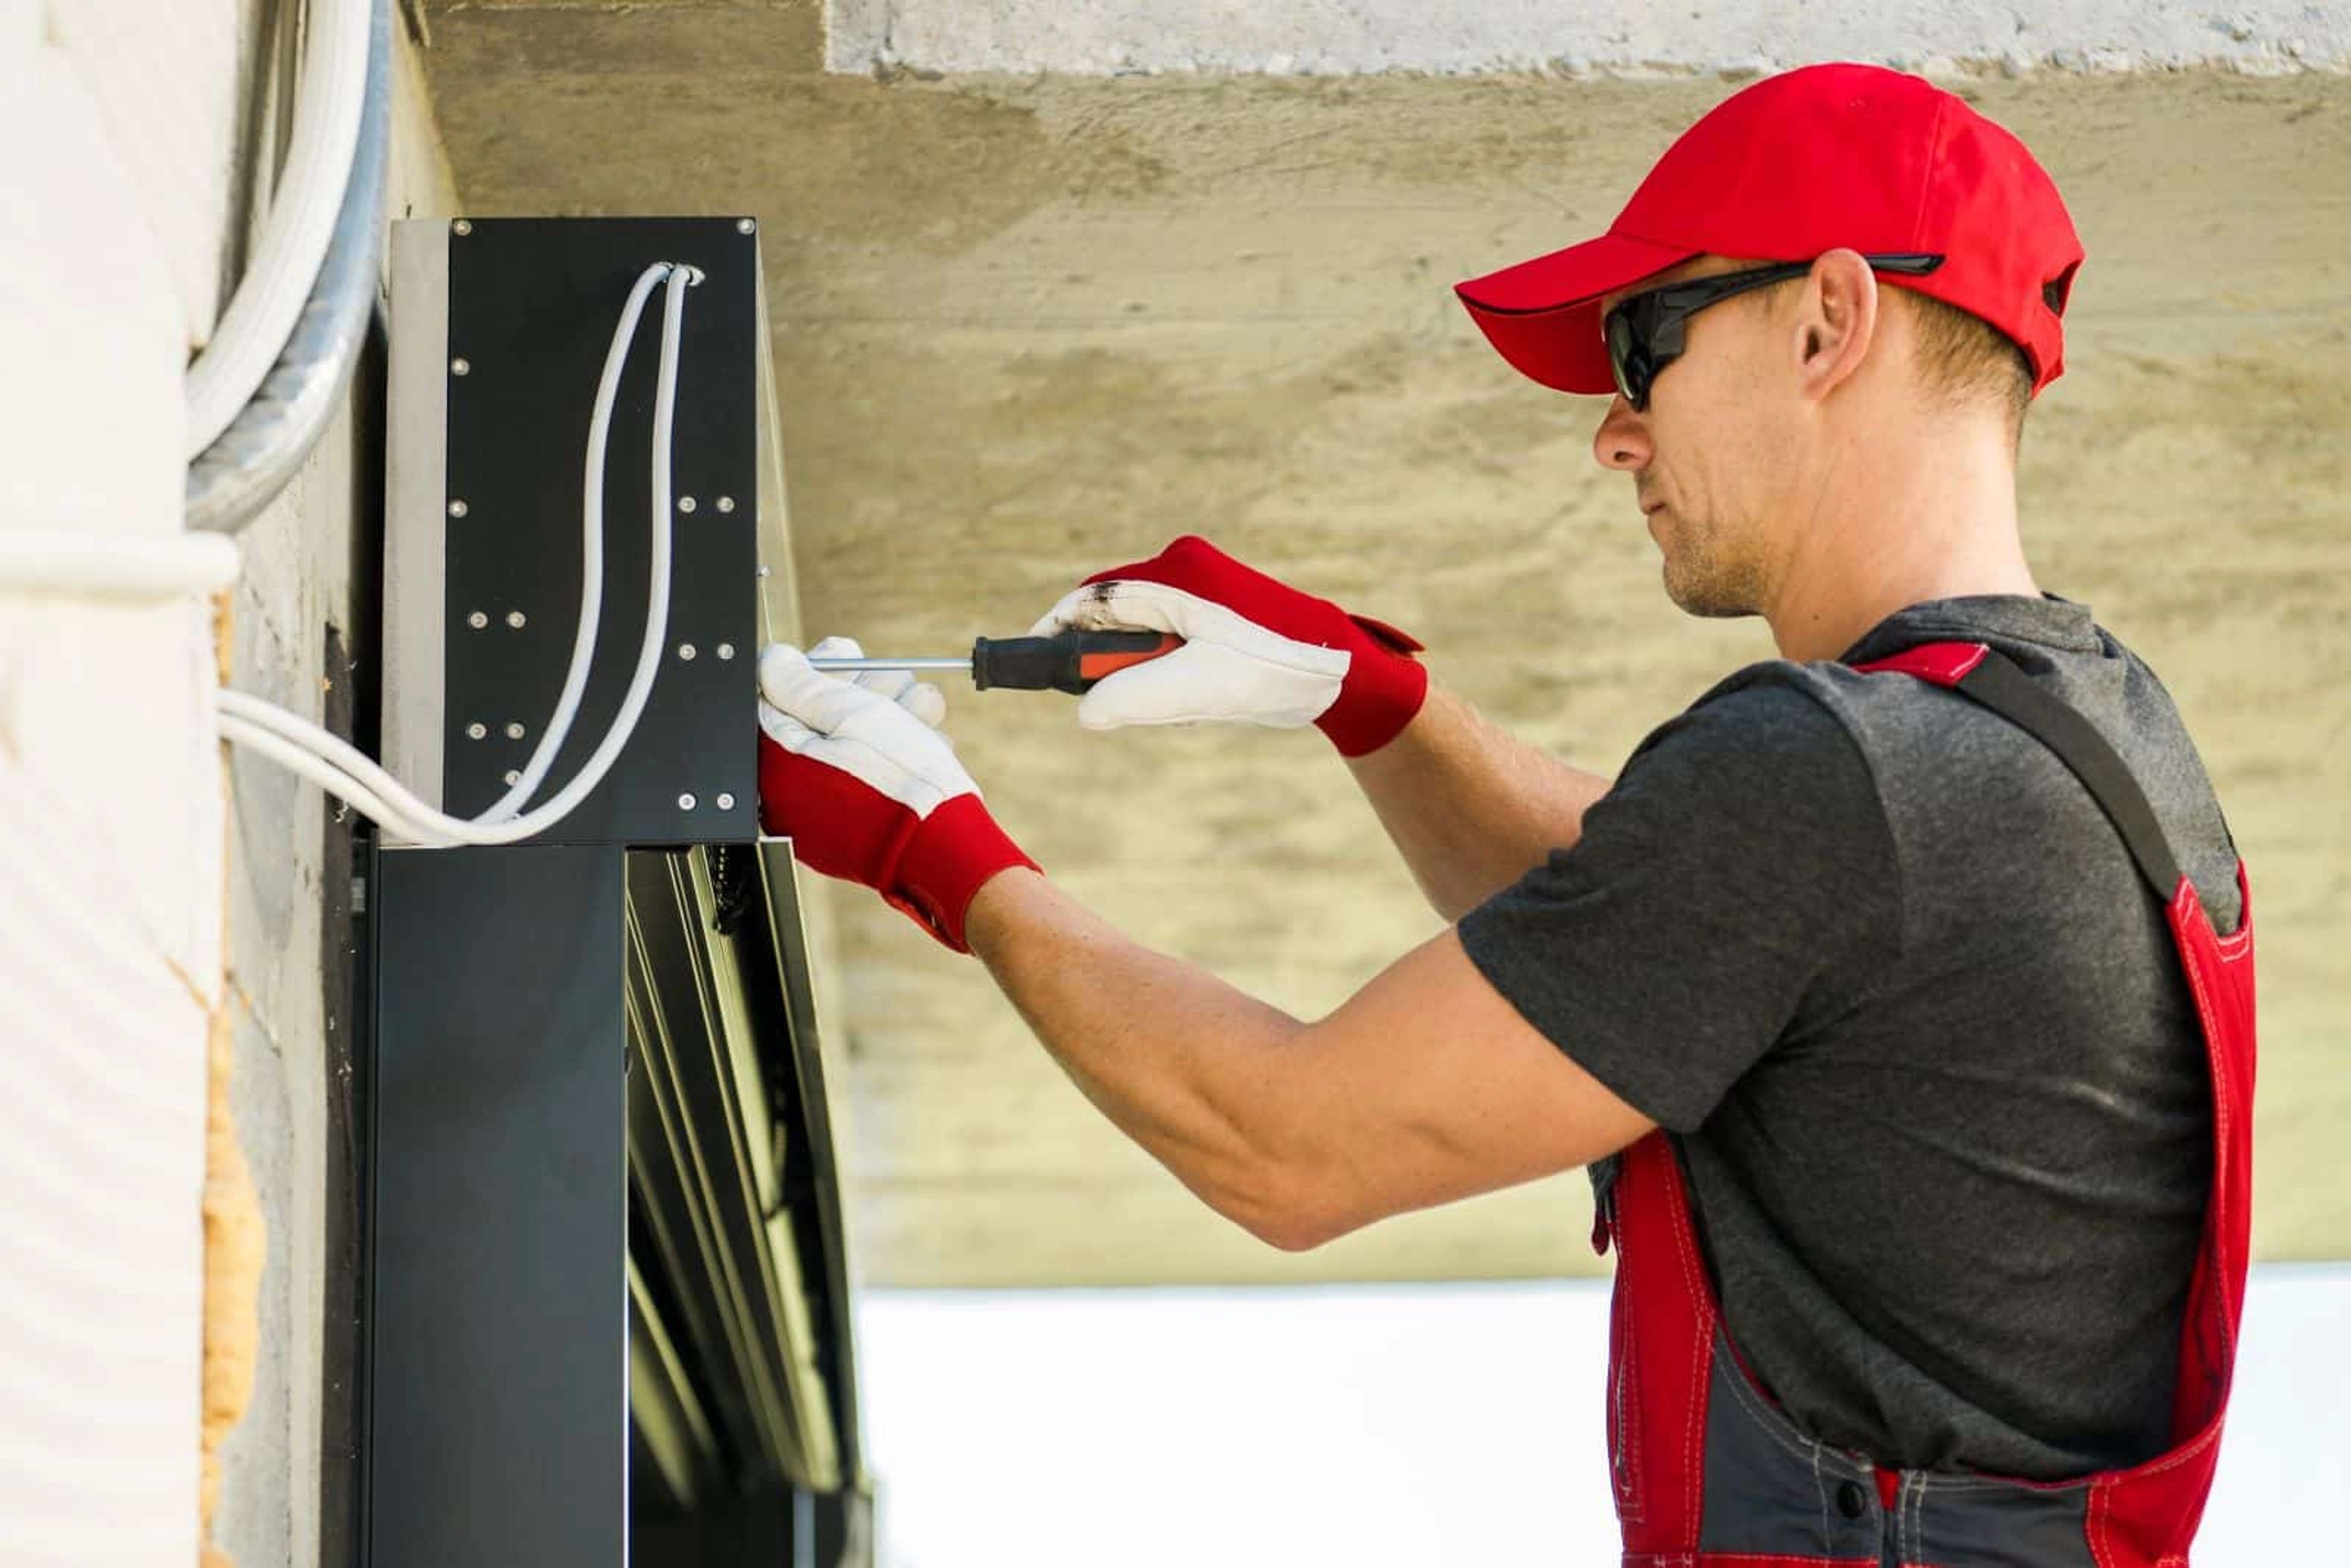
[1797, 165]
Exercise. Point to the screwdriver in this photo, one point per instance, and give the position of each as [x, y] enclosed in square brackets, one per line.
[1065, 661]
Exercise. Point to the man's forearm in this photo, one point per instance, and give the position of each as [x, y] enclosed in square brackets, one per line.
[1469, 807]
[1182, 1062]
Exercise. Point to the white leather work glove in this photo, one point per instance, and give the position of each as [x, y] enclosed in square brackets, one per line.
[857, 774]
[1256, 652]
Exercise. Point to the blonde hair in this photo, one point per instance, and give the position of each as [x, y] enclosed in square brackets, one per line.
[1968, 363]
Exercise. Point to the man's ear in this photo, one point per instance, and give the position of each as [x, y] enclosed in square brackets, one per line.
[1836, 321]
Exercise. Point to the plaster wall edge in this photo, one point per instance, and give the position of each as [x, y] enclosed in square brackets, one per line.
[1374, 38]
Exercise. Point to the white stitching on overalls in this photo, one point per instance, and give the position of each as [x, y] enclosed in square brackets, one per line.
[1694, 1282]
[1820, 1491]
[1630, 1509]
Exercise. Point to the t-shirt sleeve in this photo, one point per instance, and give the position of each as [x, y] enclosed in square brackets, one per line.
[1737, 881]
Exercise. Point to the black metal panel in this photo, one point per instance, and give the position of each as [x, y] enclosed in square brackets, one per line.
[497, 1391]
[532, 306]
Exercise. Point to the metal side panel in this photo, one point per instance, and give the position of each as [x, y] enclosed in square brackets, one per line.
[779, 589]
[498, 1394]
[416, 498]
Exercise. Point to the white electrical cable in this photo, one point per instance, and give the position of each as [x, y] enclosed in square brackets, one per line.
[145, 566]
[296, 754]
[350, 772]
[253, 330]
[591, 557]
[340, 769]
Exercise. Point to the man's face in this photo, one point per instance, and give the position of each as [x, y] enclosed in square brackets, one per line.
[1710, 455]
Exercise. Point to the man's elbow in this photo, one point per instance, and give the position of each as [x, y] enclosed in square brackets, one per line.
[1292, 1233]
[1288, 1212]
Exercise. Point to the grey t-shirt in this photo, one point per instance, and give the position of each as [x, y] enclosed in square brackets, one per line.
[1888, 971]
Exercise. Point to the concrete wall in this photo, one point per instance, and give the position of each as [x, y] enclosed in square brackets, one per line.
[1341, 38]
[1026, 327]
[138, 145]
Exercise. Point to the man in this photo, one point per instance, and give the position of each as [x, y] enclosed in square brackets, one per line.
[1914, 1073]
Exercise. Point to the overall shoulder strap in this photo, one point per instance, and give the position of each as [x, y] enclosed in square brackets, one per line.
[1992, 679]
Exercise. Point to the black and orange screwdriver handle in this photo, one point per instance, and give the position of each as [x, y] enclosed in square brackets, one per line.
[1065, 661]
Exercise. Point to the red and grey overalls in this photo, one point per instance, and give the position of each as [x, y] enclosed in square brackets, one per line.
[1711, 1473]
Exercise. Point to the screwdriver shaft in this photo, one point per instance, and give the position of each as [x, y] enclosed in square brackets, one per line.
[855, 665]
[1069, 661]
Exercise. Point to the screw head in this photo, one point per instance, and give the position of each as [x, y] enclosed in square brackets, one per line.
[725, 802]
[686, 650]
[461, 367]
[514, 776]
[745, 225]
[685, 802]
[478, 619]
[513, 732]
[463, 227]
[458, 509]
[685, 503]
[725, 649]
[726, 503]
[475, 730]
[515, 618]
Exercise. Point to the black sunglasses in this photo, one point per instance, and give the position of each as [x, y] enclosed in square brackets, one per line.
[1645, 332]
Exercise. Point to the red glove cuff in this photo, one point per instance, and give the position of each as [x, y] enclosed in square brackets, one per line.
[840, 826]
[1384, 688]
[943, 863]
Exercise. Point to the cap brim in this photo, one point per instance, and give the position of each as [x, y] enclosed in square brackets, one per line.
[1543, 316]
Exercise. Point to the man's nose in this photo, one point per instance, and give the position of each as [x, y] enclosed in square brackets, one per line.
[1622, 442]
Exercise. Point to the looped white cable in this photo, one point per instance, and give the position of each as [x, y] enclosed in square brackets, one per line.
[591, 550]
[301, 222]
[343, 770]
